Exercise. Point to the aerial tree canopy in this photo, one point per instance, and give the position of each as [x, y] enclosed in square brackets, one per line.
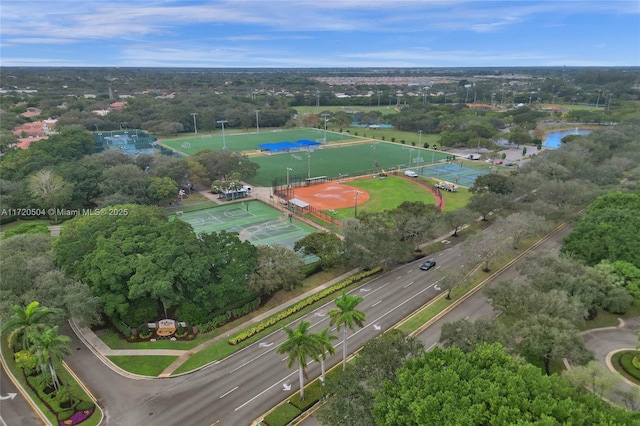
[486, 386]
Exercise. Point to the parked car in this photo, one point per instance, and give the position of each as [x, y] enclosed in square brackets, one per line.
[411, 173]
[509, 164]
[498, 162]
[428, 265]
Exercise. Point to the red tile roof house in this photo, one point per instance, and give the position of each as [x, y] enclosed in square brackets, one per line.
[30, 132]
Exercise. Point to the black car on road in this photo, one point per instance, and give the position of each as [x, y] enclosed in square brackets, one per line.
[428, 265]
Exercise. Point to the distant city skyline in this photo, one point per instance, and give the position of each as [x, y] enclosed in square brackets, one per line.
[319, 34]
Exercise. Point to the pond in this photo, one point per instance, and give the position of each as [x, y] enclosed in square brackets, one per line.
[554, 139]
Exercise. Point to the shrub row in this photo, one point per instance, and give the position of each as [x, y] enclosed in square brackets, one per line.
[250, 332]
[227, 316]
[626, 362]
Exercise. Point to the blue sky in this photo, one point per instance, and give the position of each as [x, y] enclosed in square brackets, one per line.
[319, 33]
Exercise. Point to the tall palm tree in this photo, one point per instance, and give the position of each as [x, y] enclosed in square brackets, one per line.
[323, 339]
[299, 346]
[50, 346]
[26, 323]
[345, 314]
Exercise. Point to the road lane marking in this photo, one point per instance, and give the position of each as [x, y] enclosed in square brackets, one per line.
[225, 394]
[376, 304]
[408, 284]
[266, 390]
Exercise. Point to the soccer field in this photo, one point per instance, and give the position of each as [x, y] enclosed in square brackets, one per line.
[248, 141]
[342, 161]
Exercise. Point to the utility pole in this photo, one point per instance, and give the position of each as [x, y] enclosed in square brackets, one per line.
[257, 122]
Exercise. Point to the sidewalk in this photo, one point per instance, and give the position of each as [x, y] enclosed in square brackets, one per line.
[101, 350]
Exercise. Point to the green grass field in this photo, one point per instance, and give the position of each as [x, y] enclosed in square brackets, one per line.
[340, 161]
[247, 141]
[386, 194]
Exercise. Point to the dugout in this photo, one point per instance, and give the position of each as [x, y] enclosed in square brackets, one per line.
[316, 180]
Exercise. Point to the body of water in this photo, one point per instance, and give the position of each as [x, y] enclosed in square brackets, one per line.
[554, 139]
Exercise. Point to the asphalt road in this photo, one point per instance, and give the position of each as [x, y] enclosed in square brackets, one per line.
[476, 306]
[238, 389]
[15, 411]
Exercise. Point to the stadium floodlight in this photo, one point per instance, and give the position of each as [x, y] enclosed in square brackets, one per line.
[375, 161]
[325, 126]
[195, 127]
[355, 211]
[224, 141]
[288, 186]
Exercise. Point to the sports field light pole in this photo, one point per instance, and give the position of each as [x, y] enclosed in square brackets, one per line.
[375, 161]
[325, 126]
[355, 212]
[195, 127]
[288, 186]
[257, 122]
[224, 141]
[309, 164]
[420, 138]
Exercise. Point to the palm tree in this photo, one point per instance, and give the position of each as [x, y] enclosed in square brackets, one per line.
[299, 346]
[26, 323]
[50, 346]
[345, 314]
[324, 345]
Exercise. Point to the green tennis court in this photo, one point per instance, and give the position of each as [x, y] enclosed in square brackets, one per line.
[248, 141]
[339, 161]
[253, 221]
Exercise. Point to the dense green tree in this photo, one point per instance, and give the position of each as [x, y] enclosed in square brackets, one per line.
[483, 247]
[459, 217]
[492, 182]
[486, 202]
[325, 245]
[141, 256]
[127, 180]
[161, 190]
[277, 268]
[466, 335]
[485, 386]
[607, 231]
[353, 391]
[51, 190]
[520, 225]
[346, 316]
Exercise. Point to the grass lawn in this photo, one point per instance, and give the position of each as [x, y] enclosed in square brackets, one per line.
[148, 365]
[386, 194]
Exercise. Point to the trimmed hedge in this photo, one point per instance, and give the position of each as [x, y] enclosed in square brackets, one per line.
[227, 316]
[312, 394]
[285, 414]
[626, 362]
[250, 332]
